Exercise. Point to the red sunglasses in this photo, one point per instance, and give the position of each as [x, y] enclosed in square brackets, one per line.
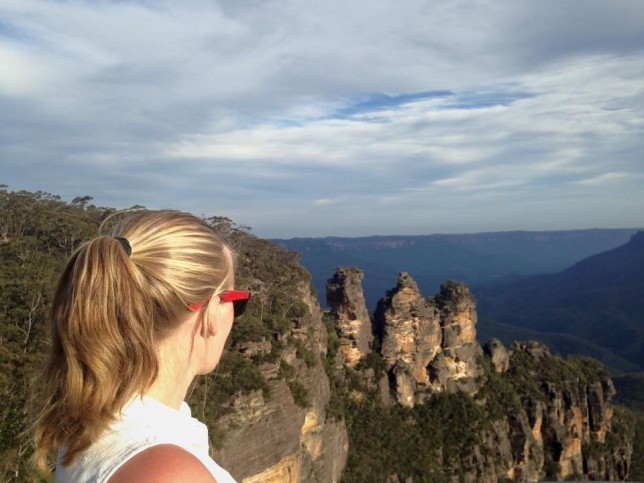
[239, 298]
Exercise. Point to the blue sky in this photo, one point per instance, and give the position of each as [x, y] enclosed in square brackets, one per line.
[346, 118]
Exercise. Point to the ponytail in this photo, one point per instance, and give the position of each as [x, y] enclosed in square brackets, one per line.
[117, 297]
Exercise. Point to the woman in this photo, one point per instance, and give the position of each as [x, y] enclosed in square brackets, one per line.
[136, 316]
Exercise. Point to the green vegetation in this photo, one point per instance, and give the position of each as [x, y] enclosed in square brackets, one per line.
[333, 343]
[38, 232]
[439, 440]
[431, 442]
[637, 460]
[236, 374]
[299, 393]
[499, 394]
[304, 354]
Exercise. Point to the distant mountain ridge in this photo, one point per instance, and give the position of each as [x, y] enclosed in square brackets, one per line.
[596, 304]
[476, 259]
[590, 303]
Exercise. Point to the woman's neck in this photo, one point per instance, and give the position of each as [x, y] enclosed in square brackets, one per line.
[175, 373]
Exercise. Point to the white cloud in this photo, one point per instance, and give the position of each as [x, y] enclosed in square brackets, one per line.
[602, 179]
[325, 202]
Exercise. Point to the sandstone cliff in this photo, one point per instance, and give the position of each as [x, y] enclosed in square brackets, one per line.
[563, 426]
[272, 436]
[429, 344]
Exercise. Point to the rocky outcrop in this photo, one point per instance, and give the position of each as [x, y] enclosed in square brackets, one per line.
[345, 298]
[546, 418]
[560, 431]
[429, 344]
[497, 354]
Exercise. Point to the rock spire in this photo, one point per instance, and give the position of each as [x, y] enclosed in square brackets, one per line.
[345, 298]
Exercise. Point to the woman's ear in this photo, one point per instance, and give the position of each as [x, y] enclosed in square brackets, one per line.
[210, 317]
[211, 327]
[206, 325]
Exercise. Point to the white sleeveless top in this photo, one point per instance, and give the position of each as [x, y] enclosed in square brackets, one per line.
[143, 423]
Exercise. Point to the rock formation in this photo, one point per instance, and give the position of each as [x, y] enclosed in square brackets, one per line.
[545, 417]
[553, 435]
[497, 354]
[429, 345]
[345, 297]
[541, 417]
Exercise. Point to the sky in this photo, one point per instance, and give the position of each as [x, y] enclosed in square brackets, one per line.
[307, 118]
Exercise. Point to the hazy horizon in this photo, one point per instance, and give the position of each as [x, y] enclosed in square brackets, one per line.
[628, 228]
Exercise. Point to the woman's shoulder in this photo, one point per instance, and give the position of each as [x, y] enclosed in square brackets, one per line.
[163, 463]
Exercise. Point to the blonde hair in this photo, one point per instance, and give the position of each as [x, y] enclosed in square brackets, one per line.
[110, 310]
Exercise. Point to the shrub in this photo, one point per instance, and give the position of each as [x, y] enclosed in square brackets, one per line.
[299, 393]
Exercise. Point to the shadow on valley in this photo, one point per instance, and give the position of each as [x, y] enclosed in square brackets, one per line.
[594, 307]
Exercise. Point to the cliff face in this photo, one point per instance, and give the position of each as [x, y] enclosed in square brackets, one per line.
[272, 436]
[539, 417]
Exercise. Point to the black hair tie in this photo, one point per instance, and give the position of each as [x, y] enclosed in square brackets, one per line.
[125, 244]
